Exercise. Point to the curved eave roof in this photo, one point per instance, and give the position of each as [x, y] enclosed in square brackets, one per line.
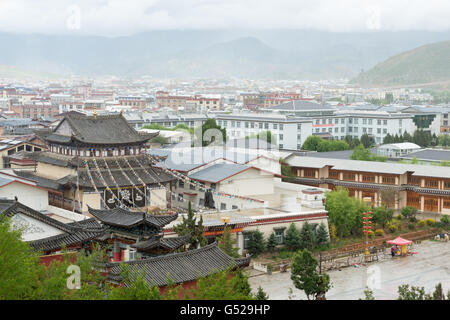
[180, 267]
[120, 217]
[62, 139]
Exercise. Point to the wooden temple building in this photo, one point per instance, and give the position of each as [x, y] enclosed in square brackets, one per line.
[97, 166]
[100, 162]
[48, 235]
[136, 234]
[424, 187]
[182, 268]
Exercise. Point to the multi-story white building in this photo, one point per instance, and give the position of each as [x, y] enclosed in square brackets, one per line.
[355, 123]
[289, 132]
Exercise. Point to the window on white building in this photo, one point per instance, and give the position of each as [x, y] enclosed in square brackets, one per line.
[279, 235]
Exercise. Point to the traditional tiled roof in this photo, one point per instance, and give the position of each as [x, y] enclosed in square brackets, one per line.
[80, 232]
[129, 219]
[171, 243]
[118, 167]
[73, 233]
[179, 267]
[102, 129]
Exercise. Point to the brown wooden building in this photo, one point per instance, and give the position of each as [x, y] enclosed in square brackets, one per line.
[424, 187]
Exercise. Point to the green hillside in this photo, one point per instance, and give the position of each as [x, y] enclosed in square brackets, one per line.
[426, 64]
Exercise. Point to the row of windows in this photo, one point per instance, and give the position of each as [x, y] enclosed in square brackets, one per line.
[250, 124]
[354, 120]
[353, 129]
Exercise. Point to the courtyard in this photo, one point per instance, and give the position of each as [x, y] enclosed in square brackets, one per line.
[428, 267]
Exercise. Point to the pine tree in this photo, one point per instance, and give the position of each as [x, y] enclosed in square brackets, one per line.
[305, 276]
[292, 238]
[226, 244]
[271, 242]
[256, 244]
[261, 295]
[322, 234]
[307, 238]
[189, 226]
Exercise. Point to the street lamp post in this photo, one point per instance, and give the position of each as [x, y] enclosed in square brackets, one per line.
[367, 224]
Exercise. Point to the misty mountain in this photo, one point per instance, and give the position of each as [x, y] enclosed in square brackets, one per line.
[426, 64]
[280, 54]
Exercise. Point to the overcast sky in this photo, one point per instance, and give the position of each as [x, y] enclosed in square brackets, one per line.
[121, 17]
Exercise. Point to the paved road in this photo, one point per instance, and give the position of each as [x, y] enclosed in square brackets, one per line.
[430, 266]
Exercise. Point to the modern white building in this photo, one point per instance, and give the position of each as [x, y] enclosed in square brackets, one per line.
[355, 123]
[290, 132]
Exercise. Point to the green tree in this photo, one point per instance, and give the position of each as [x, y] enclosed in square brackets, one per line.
[137, 288]
[331, 145]
[224, 285]
[382, 216]
[343, 212]
[322, 234]
[261, 295]
[389, 97]
[445, 221]
[292, 238]
[226, 244]
[409, 213]
[256, 243]
[190, 226]
[307, 237]
[19, 265]
[368, 294]
[160, 140]
[311, 143]
[272, 242]
[388, 139]
[305, 276]
[413, 293]
[367, 141]
[211, 124]
[361, 153]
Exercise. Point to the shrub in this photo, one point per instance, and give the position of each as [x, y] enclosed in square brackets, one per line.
[399, 217]
[393, 226]
[409, 213]
[411, 226]
[445, 221]
[333, 232]
[421, 223]
[430, 222]
[379, 232]
[285, 254]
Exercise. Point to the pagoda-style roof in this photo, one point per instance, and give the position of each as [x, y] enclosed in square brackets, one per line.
[119, 217]
[179, 267]
[69, 234]
[97, 130]
[157, 242]
[116, 167]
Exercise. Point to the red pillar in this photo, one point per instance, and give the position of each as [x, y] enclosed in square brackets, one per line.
[116, 251]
